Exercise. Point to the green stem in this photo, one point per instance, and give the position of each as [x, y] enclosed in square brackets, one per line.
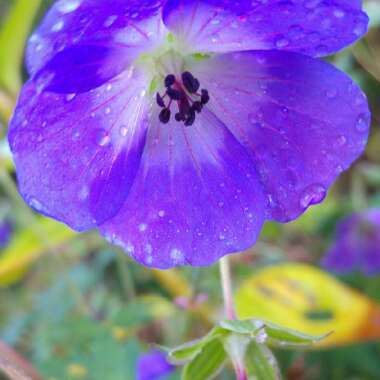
[225, 277]
[226, 282]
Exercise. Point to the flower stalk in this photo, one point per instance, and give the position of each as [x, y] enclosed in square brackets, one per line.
[225, 278]
[226, 283]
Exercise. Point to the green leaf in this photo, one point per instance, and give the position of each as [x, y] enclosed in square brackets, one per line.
[207, 363]
[276, 336]
[247, 326]
[287, 338]
[260, 363]
[12, 43]
[188, 351]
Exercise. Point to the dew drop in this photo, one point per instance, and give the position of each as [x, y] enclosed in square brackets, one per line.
[338, 13]
[261, 337]
[58, 26]
[109, 21]
[123, 130]
[35, 204]
[340, 141]
[281, 43]
[142, 227]
[102, 138]
[313, 194]
[177, 256]
[68, 6]
[70, 97]
[362, 123]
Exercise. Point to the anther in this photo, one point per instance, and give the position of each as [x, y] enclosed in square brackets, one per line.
[178, 116]
[165, 115]
[174, 94]
[169, 80]
[190, 118]
[185, 93]
[204, 97]
[197, 106]
[159, 100]
[191, 84]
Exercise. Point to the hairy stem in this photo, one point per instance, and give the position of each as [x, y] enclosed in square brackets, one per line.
[225, 277]
[226, 282]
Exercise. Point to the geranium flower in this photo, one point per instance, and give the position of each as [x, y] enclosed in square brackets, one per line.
[153, 366]
[357, 244]
[178, 127]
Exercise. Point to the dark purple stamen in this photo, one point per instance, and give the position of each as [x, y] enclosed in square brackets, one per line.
[169, 80]
[191, 84]
[160, 100]
[165, 115]
[205, 97]
[182, 91]
[174, 94]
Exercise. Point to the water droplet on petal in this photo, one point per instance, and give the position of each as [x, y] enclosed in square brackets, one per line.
[34, 203]
[70, 97]
[58, 26]
[281, 43]
[123, 130]
[338, 13]
[362, 123]
[102, 138]
[66, 6]
[313, 194]
[340, 141]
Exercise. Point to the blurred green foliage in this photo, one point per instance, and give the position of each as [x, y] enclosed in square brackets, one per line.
[85, 311]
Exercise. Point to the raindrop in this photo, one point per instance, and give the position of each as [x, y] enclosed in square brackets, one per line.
[58, 26]
[362, 123]
[68, 6]
[281, 43]
[35, 204]
[70, 97]
[338, 13]
[102, 138]
[142, 227]
[313, 194]
[123, 130]
[340, 141]
[261, 337]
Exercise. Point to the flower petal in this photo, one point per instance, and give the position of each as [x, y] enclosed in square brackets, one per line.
[311, 27]
[357, 244]
[196, 197]
[134, 24]
[302, 121]
[77, 155]
[80, 68]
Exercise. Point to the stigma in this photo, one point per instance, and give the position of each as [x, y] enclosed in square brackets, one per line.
[184, 91]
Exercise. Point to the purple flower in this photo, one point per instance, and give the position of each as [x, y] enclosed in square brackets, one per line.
[357, 244]
[5, 233]
[178, 127]
[153, 366]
